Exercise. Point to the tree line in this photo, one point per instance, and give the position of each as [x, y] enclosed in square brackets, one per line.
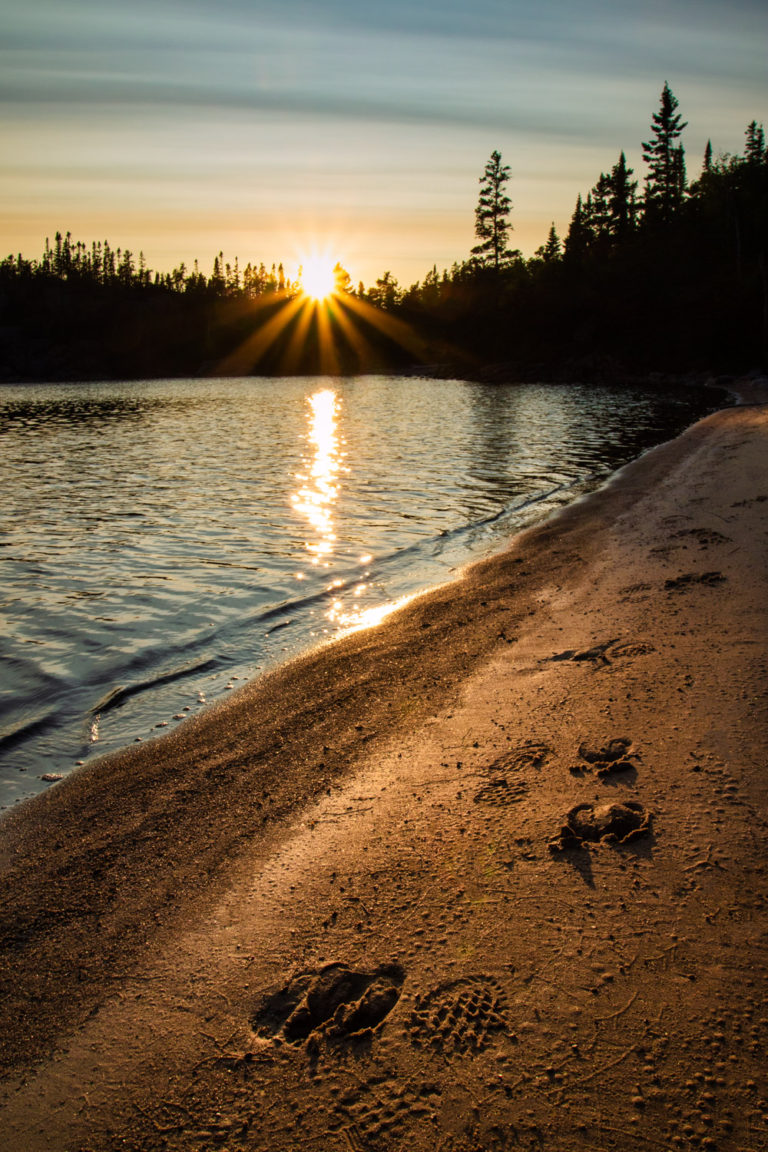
[670, 276]
[99, 263]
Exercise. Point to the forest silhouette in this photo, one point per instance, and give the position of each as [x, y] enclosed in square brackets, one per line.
[671, 278]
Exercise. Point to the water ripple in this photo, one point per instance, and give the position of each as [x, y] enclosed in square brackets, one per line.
[164, 540]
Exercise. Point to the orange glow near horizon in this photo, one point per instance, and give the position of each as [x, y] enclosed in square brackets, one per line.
[317, 278]
[323, 315]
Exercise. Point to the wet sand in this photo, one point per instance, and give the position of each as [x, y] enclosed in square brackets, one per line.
[357, 906]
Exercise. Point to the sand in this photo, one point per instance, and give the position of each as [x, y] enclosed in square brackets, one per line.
[490, 876]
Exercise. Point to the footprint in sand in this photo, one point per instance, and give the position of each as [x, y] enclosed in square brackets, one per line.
[601, 655]
[607, 759]
[378, 1116]
[460, 1016]
[615, 749]
[502, 791]
[751, 500]
[626, 651]
[692, 579]
[506, 782]
[635, 589]
[704, 537]
[594, 655]
[336, 1002]
[588, 824]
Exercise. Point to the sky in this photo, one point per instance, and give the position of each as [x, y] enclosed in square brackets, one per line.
[270, 129]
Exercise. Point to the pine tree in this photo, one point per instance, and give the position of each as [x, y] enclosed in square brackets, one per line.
[608, 214]
[622, 202]
[492, 225]
[58, 257]
[665, 182]
[386, 292]
[755, 152]
[579, 236]
[552, 250]
[599, 207]
[95, 260]
[217, 282]
[125, 267]
[707, 164]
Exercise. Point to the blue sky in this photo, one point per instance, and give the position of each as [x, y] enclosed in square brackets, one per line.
[270, 128]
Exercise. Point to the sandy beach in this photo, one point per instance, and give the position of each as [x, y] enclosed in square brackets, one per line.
[490, 876]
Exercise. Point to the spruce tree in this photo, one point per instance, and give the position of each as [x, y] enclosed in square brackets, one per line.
[665, 182]
[599, 207]
[492, 225]
[553, 249]
[579, 236]
[622, 203]
[755, 152]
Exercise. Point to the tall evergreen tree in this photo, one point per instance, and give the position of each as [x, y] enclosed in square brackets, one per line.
[492, 224]
[216, 280]
[579, 233]
[622, 202]
[599, 208]
[385, 293]
[552, 250]
[665, 182]
[755, 152]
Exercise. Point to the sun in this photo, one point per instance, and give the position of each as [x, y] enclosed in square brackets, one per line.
[318, 279]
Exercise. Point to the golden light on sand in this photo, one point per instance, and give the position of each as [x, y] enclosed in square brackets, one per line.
[319, 490]
[351, 619]
[318, 278]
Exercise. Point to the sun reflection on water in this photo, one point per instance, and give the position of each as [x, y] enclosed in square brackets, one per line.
[315, 500]
[320, 489]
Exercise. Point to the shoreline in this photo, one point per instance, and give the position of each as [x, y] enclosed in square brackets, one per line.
[411, 746]
[47, 735]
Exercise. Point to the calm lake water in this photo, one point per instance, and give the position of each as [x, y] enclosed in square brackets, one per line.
[162, 541]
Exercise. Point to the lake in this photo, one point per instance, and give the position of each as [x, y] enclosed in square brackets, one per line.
[163, 541]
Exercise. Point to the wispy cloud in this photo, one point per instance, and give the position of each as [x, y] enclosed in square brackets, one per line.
[354, 103]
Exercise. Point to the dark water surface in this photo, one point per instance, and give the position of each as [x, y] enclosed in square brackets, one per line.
[164, 540]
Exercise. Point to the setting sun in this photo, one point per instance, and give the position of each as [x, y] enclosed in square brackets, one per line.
[317, 278]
